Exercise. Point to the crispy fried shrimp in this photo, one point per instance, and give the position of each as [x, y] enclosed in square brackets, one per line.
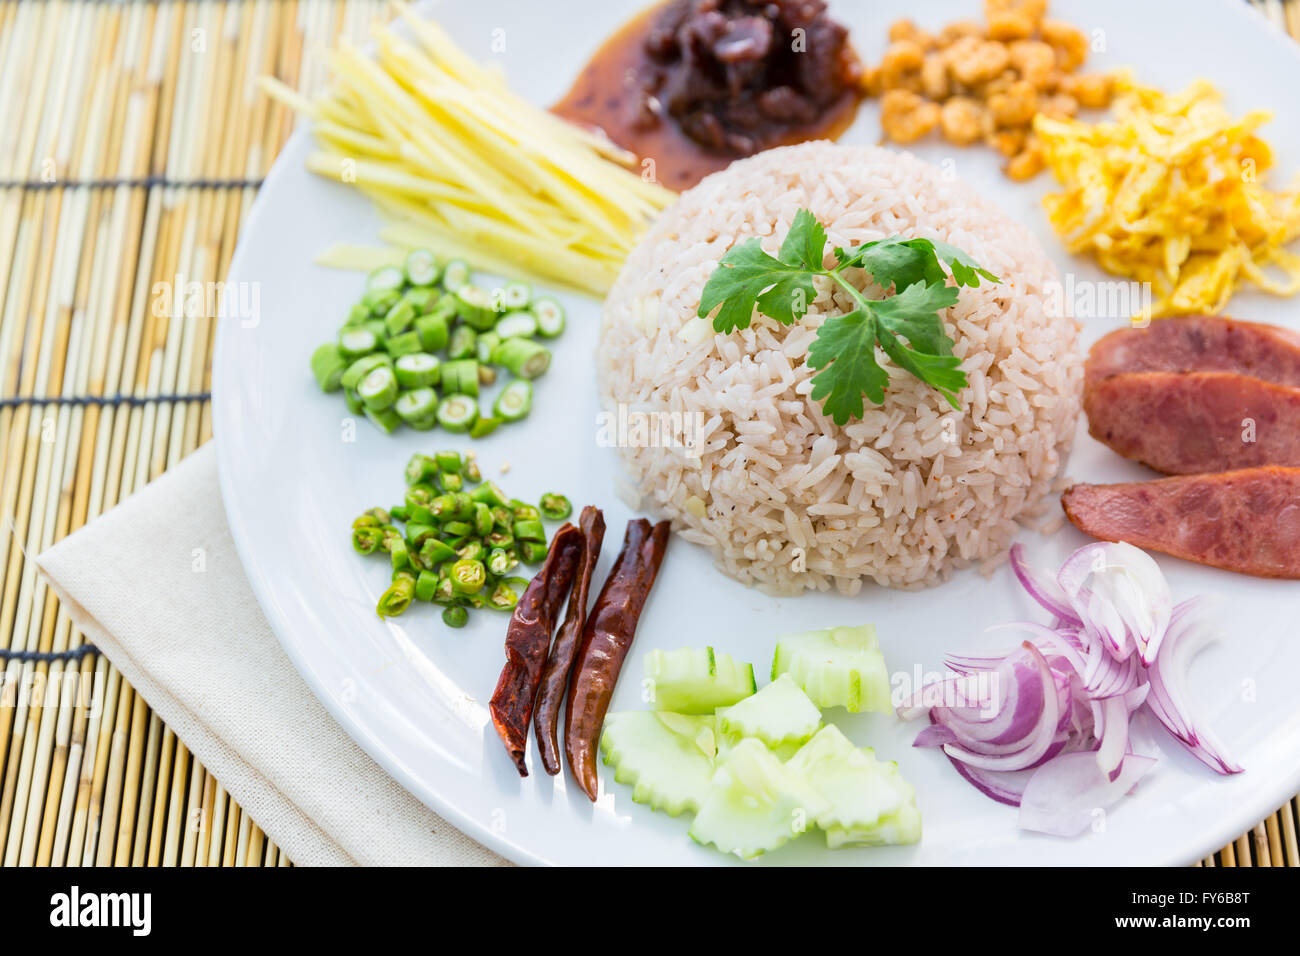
[906, 117]
[962, 120]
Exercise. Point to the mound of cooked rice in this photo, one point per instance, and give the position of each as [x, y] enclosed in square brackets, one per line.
[783, 497]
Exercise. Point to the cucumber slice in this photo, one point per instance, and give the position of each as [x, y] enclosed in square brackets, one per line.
[860, 791]
[837, 667]
[778, 714]
[697, 681]
[754, 804]
[667, 769]
[899, 828]
[550, 317]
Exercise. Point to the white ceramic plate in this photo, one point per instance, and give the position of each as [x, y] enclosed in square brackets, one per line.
[413, 693]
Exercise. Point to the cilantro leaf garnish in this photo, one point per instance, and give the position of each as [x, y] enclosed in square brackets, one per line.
[906, 326]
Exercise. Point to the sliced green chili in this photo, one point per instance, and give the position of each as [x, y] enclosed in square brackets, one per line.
[455, 616]
[426, 585]
[555, 507]
[468, 576]
[397, 598]
[532, 552]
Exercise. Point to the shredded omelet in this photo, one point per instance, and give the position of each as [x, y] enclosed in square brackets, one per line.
[1170, 193]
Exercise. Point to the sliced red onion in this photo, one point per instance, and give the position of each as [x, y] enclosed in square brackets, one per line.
[1048, 594]
[1051, 726]
[1121, 597]
[1039, 736]
[1065, 795]
[1188, 632]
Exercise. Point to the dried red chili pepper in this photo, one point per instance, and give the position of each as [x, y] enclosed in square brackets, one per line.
[555, 676]
[606, 639]
[528, 639]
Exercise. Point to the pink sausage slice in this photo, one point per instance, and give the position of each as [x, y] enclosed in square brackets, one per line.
[1185, 424]
[1246, 521]
[1199, 343]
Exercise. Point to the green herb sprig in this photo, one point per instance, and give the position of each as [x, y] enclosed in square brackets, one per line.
[844, 352]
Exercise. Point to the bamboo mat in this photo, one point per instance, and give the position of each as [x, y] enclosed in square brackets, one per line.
[132, 141]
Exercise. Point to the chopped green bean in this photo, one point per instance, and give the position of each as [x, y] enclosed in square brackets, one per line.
[487, 375]
[422, 268]
[463, 343]
[460, 377]
[432, 331]
[555, 507]
[407, 343]
[457, 413]
[515, 295]
[486, 343]
[385, 278]
[417, 405]
[475, 307]
[523, 357]
[386, 420]
[455, 616]
[455, 274]
[362, 367]
[468, 576]
[399, 318]
[484, 427]
[550, 317]
[356, 342]
[515, 401]
[328, 364]
[357, 314]
[421, 299]
[379, 301]
[520, 324]
[416, 370]
[355, 405]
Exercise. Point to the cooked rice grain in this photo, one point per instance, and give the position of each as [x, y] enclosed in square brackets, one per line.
[789, 500]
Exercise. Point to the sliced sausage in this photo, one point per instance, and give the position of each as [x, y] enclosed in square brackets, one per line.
[1246, 521]
[1184, 424]
[1199, 343]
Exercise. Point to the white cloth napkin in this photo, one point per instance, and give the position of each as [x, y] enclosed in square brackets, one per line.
[196, 646]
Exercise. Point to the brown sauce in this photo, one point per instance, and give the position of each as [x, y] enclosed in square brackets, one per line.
[607, 96]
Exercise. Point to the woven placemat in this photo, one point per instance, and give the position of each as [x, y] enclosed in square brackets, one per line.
[132, 141]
